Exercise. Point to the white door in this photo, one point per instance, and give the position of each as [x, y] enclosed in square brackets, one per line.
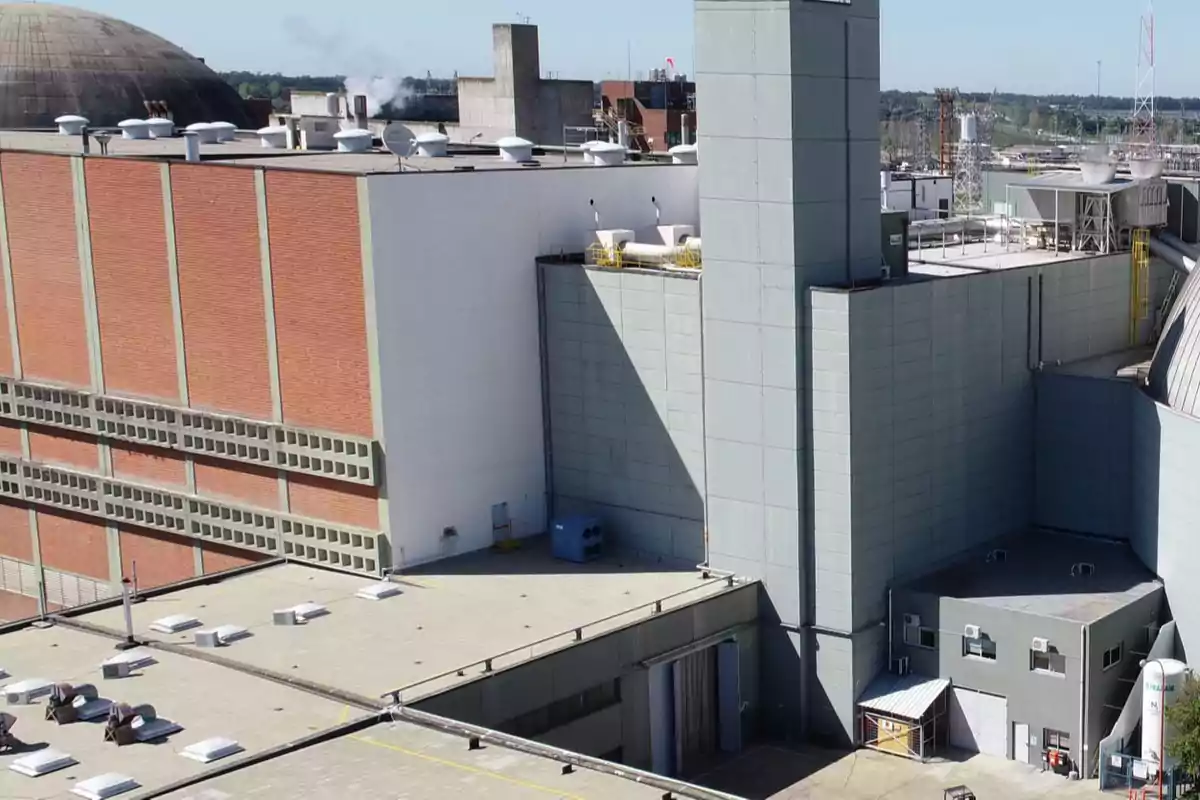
[1021, 742]
[979, 722]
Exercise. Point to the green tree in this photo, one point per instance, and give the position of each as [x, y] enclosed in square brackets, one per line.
[1183, 718]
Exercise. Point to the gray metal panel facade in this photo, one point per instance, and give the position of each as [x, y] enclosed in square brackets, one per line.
[1084, 440]
[626, 406]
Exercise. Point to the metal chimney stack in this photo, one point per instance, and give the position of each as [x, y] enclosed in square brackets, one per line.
[360, 111]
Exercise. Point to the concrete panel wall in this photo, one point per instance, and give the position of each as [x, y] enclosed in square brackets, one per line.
[626, 405]
[1084, 434]
[458, 332]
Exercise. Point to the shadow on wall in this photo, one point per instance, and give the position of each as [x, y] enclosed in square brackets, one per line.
[623, 400]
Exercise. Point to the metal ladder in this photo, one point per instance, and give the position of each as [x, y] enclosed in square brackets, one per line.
[1165, 308]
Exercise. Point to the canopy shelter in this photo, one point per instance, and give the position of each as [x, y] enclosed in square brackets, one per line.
[906, 715]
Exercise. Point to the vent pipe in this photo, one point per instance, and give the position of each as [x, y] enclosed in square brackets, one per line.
[685, 129]
[191, 146]
[71, 124]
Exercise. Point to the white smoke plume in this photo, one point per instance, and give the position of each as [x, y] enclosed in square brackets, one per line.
[370, 72]
[380, 92]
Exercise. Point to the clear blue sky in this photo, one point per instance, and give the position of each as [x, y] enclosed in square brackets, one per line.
[1035, 46]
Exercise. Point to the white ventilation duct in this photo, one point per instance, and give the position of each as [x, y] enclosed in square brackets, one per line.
[161, 128]
[226, 131]
[355, 140]
[205, 131]
[134, 129]
[432, 145]
[191, 146]
[71, 124]
[515, 150]
[274, 136]
[608, 154]
[683, 154]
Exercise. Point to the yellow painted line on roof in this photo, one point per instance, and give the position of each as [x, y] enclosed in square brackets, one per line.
[487, 773]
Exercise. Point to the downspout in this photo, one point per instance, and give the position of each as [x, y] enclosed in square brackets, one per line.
[1083, 669]
[891, 627]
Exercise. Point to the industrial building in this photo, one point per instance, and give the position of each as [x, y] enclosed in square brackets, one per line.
[911, 488]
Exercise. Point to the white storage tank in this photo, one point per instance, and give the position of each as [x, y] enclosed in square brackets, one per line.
[1162, 681]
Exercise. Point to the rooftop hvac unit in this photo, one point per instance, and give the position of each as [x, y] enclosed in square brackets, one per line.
[912, 620]
[971, 632]
[1040, 645]
[22, 693]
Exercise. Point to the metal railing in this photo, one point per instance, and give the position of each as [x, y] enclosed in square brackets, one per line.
[555, 642]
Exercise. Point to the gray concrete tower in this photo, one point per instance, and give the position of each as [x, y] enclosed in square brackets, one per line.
[789, 199]
[518, 74]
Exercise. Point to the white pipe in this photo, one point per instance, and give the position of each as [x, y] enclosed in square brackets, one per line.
[648, 253]
[1172, 256]
[1081, 761]
[191, 146]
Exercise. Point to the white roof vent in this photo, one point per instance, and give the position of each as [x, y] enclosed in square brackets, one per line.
[205, 130]
[24, 692]
[102, 787]
[134, 129]
[432, 145]
[71, 124]
[43, 762]
[587, 148]
[161, 128]
[378, 591]
[683, 154]
[274, 136]
[211, 750]
[220, 636]
[175, 623]
[355, 140]
[226, 131]
[515, 150]
[300, 614]
[608, 154]
[135, 659]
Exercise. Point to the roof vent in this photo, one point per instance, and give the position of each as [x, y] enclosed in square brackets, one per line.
[221, 636]
[71, 124]
[226, 131]
[134, 129]
[104, 786]
[516, 150]
[1082, 569]
[132, 659]
[22, 693]
[211, 750]
[205, 130]
[161, 128]
[175, 623]
[300, 614]
[354, 140]
[587, 148]
[379, 591]
[608, 154]
[432, 145]
[191, 146]
[274, 136]
[43, 762]
[684, 154]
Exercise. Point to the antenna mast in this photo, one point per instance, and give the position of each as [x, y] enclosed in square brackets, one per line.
[1143, 131]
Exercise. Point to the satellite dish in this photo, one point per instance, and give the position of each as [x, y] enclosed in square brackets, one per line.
[399, 140]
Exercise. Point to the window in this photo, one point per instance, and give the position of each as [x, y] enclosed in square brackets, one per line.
[920, 637]
[1053, 662]
[1055, 740]
[983, 647]
[1112, 656]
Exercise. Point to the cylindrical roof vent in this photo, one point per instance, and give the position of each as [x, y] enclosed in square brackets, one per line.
[134, 129]
[274, 136]
[607, 154]
[71, 124]
[191, 146]
[161, 128]
[207, 133]
[587, 148]
[432, 145]
[515, 150]
[226, 131]
[355, 140]
[684, 154]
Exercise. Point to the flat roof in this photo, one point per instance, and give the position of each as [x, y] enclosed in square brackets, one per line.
[206, 699]
[247, 150]
[1035, 577]
[976, 257]
[1073, 181]
[408, 761]
[509, 607]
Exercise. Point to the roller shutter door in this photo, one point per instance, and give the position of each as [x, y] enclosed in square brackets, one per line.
[978, 722]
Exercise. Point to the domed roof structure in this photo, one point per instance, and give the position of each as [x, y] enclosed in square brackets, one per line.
[57, 60]
[1175, 370]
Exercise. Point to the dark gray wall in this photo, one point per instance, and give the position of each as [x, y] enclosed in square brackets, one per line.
[626, 405]
[1084, 440]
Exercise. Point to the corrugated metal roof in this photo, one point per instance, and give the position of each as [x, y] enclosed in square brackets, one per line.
[907, 696]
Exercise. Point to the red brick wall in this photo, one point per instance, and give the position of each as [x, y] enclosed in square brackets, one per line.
[220, 559]
[335, 502]
[320, 317]
[47, 281]
[73, 544]
[133, 289]
[146, 465]
[16, 606]
[161, 558]
[10, 439]
[67, 449]
[15, 541]
[220, 286]
[257, 487]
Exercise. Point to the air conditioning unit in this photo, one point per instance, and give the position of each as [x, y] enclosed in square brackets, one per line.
[1040, 645]
[971, 632]
[901, 666]
[912, 620]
